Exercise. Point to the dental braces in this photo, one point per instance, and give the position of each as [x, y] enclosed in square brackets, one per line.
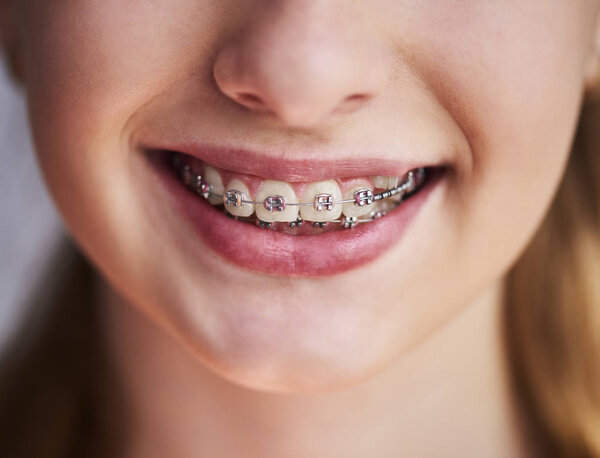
[322, 202]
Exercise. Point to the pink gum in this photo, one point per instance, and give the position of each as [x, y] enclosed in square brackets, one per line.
[253, 182]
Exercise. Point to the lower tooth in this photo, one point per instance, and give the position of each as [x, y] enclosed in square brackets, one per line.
[384, 205]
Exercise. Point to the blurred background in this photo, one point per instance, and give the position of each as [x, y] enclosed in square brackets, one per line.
[29, 225]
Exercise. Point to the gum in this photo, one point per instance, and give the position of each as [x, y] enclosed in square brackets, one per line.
[254, 182]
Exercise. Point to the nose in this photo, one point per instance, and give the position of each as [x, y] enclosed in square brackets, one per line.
[302, 61]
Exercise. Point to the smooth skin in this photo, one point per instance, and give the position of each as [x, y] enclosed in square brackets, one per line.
[402, 357]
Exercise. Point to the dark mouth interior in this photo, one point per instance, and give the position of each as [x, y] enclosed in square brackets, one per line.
[165, 159]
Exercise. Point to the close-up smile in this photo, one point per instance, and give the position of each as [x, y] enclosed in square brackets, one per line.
[301, 228]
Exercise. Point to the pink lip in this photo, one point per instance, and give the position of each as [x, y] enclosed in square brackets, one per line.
[277, 253]
[250, 162]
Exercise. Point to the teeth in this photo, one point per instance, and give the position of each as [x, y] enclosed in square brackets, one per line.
[276, 195]
[384, 205]
[213, 178]
[350, 208]
[276, 201]
[323, 189]
[385, 182]
[416, 178]
[245, 209]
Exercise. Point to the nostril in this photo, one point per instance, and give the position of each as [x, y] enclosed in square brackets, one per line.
[352, 103]
[249, 99]
[357, 98]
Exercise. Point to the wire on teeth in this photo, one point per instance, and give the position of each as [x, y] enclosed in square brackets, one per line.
[235, 198]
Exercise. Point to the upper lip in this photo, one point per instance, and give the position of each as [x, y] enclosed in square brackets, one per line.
[278, 167]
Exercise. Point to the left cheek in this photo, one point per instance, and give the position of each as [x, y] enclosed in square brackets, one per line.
[88, 72]
[511, 75]
[96, 68]
[519, 100]
[514, 91]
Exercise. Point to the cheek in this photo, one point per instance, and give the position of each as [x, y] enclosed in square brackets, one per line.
[512, 83]
[89, 67]
[511, 77]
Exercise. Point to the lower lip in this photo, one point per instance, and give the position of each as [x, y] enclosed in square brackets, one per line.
[278, 253]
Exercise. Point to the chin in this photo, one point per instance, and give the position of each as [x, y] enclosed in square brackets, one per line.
[289, 347]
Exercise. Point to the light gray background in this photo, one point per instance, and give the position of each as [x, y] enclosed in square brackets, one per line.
[29, 225]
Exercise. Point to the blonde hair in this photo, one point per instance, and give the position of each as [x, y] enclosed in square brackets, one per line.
[552, 310]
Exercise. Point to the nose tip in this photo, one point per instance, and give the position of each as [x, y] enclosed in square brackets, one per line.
[298, 113]
[301, 73]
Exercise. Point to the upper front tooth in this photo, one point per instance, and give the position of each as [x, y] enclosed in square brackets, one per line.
[276, 196]
[327, 191]
[245, 209]
[385, 182]
[350, 208]
[213, 178]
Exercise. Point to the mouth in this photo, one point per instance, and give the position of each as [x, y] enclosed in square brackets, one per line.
[327, 205]
[298, 227]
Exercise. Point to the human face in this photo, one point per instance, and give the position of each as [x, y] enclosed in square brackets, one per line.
[302, 92]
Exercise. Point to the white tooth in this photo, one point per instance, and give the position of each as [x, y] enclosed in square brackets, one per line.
[321, 187]
[245, 209]
[350, 208]
[384, 205]
[276, 188]
[213, 177]
[384, 182]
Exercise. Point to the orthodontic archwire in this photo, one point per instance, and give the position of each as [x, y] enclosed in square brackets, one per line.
[322, 202]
